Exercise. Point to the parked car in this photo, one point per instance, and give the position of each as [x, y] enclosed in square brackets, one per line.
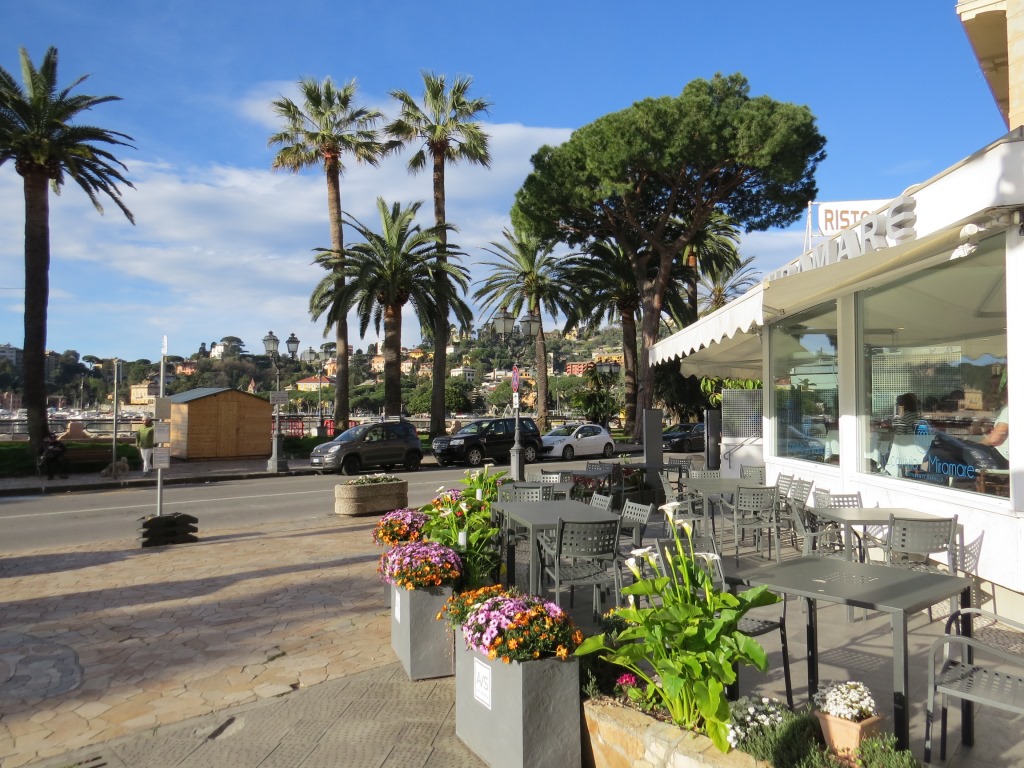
[683, 438]
[384, 444]
[487, 439]
[571, 440]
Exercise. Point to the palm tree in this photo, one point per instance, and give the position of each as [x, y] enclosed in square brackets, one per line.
[712, 250]
[718, 287]
[389, 270]
[326, 127]
[446, 126]
[605, 288]
[37, 133]
[526, 275]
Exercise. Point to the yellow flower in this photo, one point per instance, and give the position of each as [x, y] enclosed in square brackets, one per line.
[562, 652]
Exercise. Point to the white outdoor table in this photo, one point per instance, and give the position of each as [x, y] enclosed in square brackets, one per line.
[895, 591]
[544, 516]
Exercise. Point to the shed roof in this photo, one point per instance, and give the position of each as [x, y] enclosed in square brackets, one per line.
[200, 392]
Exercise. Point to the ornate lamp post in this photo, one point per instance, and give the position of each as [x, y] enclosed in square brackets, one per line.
[504, 326]
[277, 462]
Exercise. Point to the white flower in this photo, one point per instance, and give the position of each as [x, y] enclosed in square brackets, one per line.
[641, 552]
[464, 507]
[685, 526]
[439, 489]
[631, 564]
[850, 700]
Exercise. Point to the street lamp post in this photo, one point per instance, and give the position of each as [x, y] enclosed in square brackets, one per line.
[277, 462]
[504, 326]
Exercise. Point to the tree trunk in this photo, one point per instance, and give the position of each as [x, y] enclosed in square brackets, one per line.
[541, 355]
[392, 360]
[341, 405]
[37, 294]
[627, 314]
[438, 410]
[645, 380]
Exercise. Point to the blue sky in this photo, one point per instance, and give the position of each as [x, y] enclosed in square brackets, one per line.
[223, 246]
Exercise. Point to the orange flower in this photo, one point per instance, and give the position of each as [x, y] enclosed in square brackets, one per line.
[562, 652]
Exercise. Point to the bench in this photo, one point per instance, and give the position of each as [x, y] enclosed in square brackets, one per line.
[997, 680]
[78, 456]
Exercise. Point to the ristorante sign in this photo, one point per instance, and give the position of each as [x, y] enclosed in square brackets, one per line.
[873, 232]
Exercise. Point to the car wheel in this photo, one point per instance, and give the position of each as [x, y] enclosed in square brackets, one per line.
[609, 451]
[474, 457]
[412, 462]
[442, 463]
[350, 466]
[568, 453]
[686, 446]
[529, 453]
[387, 467]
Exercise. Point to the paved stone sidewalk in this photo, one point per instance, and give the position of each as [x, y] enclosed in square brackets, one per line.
[105, 640]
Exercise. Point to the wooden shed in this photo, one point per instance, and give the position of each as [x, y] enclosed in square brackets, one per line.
[220, 423]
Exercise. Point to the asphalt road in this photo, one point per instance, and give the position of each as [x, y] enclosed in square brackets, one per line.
[34, 522]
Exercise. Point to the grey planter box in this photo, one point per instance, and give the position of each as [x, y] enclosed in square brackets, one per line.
[424, 645]
[370, 499]
[518, 715]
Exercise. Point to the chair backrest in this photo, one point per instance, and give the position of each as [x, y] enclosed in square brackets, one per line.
[755, 500]
[534, 476]
[550, 477]
[821, 498]
[755, 473]
[588, 539]
[683, 462]
[666, 487]
[799, 495]
[525, 494]
[784, 483]
[592, 465]
[921, 537]
[845, 500]
[600, 501]
[635, 513]
[705, 474]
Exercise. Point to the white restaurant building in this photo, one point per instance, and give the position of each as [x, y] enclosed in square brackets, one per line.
[921, 296]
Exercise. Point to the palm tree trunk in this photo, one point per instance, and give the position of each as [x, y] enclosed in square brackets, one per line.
[645, 380]
[392, 360]
[37, 294]
[341, 404]
[628, 317]
[441, 327]
[542, 377]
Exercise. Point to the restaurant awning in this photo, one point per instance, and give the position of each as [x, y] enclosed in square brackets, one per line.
[725, 342]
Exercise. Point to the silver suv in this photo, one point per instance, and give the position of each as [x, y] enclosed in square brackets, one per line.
[380, 444]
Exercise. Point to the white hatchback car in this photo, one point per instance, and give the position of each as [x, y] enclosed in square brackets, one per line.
[571, 440]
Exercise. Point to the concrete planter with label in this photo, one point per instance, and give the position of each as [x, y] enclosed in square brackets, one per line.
[518, 715]
[371, 498]
[424, 645]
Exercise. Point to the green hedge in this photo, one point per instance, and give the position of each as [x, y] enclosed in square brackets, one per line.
[17, 459]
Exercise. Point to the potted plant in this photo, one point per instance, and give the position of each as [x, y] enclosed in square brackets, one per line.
[421, 575]
[399, 526]
[461, 519]
[370, 495]
[681, 643]
[847, 715]
[517, 691]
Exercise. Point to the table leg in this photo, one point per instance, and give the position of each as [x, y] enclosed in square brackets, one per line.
[510, 554]
[848, 551]
[900, 680]
[967, 707]
[811, 609]
[534, 563]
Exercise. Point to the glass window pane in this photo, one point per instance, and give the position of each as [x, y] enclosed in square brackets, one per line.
[805, 373]
[934, 376]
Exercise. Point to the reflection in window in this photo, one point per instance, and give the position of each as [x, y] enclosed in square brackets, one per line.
[805, 372]
[934, 377]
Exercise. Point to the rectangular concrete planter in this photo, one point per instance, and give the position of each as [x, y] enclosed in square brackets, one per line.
[370, 499]
[424, 645]
[518, 715]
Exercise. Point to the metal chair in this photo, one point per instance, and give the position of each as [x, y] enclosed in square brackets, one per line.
[705, 474]
[681, 507]
[910, 543]
[586, 554]
[751, 626]
[635, 518]
[521, 494]
[601, 501]
[753, 509]
[972, 670]
[754, 473]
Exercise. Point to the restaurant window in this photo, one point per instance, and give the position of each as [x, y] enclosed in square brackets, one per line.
[805, 373]
[934, 374]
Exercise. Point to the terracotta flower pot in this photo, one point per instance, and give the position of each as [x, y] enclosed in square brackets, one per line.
[844, 736]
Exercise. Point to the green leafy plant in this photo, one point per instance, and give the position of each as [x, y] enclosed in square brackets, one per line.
[373, 480]
[684, 642]
[467, 511]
